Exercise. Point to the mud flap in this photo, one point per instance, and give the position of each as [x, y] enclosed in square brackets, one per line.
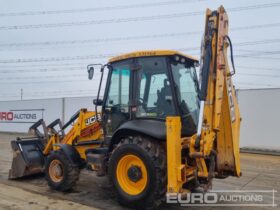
[28, 157]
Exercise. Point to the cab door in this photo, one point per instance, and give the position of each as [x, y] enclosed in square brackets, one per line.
[117, 97]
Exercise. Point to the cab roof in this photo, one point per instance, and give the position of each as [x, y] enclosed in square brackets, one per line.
[149, 53]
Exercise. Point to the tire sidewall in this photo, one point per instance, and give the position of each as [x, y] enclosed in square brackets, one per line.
[133, 149]
[57, 155]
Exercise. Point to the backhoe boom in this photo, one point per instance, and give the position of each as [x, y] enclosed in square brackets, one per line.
[215, 147]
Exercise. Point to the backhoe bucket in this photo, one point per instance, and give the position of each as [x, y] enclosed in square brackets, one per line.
[28, 157]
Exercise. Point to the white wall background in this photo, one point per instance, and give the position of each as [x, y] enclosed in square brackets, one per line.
[259, 110]
[72, 105]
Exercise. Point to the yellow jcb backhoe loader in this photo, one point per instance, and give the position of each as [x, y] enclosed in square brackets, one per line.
[160, 129]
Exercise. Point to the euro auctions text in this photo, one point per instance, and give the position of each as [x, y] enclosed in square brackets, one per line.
[21, 116]
[224, 198]
[10, 116]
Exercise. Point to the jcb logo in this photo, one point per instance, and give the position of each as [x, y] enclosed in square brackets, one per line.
[92, 119]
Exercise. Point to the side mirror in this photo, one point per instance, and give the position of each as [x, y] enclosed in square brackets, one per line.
[98, 102]
[90, 72]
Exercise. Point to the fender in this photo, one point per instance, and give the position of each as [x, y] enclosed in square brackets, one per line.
[152, 128]
[71, 153]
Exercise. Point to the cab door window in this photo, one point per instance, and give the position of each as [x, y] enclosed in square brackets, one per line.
[116, 107]
[119, 88]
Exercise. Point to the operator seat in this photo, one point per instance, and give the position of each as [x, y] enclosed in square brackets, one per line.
[164, 102]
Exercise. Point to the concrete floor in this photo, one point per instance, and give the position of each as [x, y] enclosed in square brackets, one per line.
[260, 172]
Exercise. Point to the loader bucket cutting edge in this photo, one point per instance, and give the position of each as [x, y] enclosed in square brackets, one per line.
[28, 158]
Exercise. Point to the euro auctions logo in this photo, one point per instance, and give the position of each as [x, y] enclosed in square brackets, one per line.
[9, 116]
[21, 116]
[224, 198]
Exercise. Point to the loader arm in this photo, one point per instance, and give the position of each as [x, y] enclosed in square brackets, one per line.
[85, 133]
[219, 120]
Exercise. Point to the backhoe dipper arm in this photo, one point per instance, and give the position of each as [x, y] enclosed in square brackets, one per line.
[214, 149]
[219, 119]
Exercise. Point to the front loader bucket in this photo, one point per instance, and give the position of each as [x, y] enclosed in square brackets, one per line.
[28, 157]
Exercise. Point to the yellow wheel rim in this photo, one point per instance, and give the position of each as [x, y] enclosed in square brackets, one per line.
[56, 171]
[131, 174]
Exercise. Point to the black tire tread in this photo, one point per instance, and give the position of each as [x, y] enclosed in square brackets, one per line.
[72, 172]
[157, 154]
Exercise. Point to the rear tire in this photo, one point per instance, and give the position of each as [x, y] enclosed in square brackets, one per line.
[61, 173]
[137, 170]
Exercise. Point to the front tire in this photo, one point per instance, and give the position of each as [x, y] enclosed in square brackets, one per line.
[137, 170]
[61, 173]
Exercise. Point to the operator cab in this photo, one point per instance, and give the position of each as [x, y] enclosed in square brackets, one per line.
[149, 86]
